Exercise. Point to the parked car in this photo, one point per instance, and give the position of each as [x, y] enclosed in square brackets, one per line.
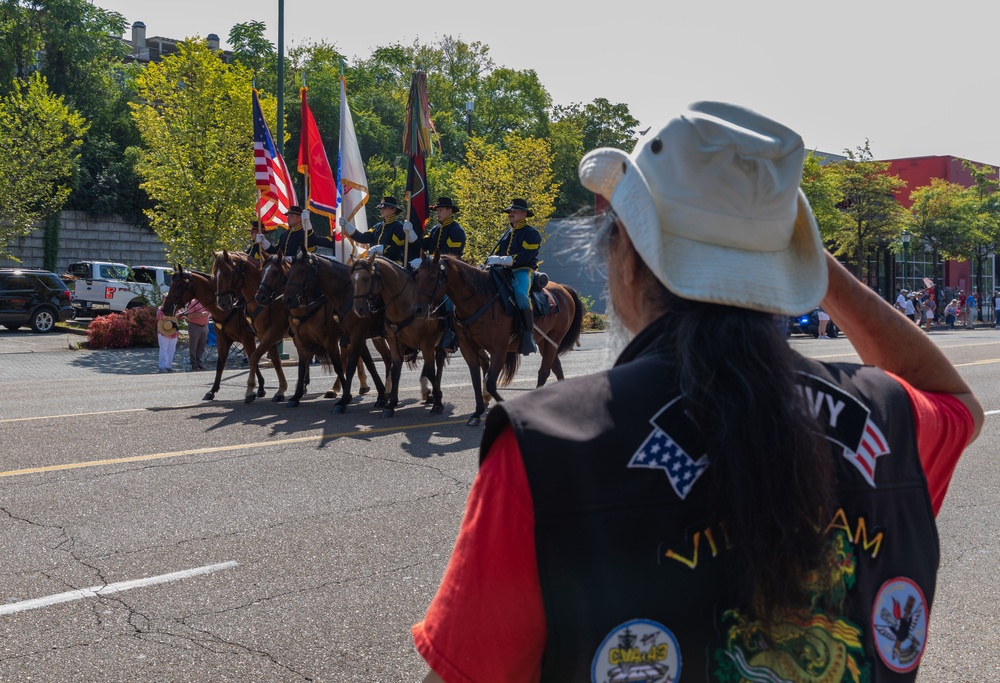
[33, 297]
[808, 323]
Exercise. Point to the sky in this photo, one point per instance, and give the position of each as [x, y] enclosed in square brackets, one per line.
[913, 79]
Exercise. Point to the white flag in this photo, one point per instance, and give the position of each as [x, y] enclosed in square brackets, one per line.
[351, 177]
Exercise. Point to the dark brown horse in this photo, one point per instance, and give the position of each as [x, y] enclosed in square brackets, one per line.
[237, 278]
[484, 326]
[315, 329]
[230, 326]
[381, 285]
[312, 279]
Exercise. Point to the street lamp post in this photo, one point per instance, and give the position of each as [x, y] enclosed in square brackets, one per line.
[906, 255]
[468, 113]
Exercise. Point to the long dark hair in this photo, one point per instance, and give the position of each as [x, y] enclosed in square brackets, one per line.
[772, 473]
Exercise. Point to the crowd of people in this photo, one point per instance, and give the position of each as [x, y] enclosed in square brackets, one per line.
[959, 307]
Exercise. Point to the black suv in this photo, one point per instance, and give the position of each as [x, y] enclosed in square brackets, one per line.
[33, 297]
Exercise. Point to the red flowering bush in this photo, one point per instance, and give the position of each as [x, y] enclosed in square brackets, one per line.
[132, 327]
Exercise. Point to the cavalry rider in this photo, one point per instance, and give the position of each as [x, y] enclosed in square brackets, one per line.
[518, 250]
[299, 235]
[259, 244]
[388, 236]
[447, 237]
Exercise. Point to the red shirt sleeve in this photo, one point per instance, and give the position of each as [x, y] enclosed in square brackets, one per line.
[944, 426]
[487, 622]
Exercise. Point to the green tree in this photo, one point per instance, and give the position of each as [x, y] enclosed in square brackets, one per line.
[984, 198]
[874, 219]
[75, 45]
[577, 129]
[820, 188]
[492, 176]
[197, 158]
[40, 139]
[939, 217]
[254, 51]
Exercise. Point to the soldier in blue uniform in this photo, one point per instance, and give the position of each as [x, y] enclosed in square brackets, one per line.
[259, 244]
[295, 237]
[388, 236]
[447, 237]
[518, 250]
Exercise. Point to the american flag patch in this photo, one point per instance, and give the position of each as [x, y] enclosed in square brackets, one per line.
[663, 452]
[848, 423]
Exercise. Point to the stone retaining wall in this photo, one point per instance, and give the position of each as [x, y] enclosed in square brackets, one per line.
[91, 239]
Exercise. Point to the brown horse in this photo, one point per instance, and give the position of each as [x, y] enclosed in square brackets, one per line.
[382, 285]
[485, 326]
[230, 326]
[315, 328]
[237, 278]
[312, 279]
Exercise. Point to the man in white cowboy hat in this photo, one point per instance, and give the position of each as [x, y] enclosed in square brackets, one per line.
[518, 250]
[388, 236]
[679, 514]
[446, 237]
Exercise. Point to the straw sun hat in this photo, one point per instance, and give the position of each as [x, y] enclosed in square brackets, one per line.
[711, 201]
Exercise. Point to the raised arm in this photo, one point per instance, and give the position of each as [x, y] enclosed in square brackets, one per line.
[885, 338]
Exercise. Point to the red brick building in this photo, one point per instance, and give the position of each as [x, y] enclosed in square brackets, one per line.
[918, 172]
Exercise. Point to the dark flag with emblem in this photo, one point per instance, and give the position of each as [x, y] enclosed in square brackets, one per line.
[416, 146]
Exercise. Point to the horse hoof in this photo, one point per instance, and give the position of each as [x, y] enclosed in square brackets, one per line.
[339, 409]
[388, 412]
[437, 410]
[208, 397]
[381, 403]
[293, 403]
[261, 393]
[330, 394]
[364, 390]
[473, 422]
[277, 398]
[250, 398]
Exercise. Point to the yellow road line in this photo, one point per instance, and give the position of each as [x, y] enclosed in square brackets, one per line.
[55, 417]
[218, 449]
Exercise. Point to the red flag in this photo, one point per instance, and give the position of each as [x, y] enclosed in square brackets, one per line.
[314, 163]
[275, 190]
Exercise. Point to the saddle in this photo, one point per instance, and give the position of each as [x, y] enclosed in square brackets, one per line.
[542, 303]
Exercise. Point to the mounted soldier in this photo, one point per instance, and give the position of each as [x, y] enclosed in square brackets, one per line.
[259, 244]
[300, 235]
[447, 237]
[388, 236]
[518, 250]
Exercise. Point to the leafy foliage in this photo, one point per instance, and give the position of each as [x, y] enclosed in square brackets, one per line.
[197, 158]
[131, 327]
[491, 177]
[40, 140]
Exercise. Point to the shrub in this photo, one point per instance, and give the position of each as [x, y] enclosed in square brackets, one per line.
[594, 321]
[132, 327]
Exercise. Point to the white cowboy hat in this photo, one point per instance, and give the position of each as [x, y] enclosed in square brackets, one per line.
[711, 202]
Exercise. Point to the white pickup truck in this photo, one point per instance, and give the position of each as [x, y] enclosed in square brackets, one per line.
[106, 287]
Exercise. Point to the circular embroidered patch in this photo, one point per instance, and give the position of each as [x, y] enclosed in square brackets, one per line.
[899, 624]
[638, 651]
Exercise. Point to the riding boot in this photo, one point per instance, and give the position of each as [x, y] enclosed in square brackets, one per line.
[449, 342]
[527, 333]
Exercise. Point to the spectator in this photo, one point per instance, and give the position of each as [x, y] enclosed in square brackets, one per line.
[824, 322]
[996, 310]
[909, 309]
[950, 313]
[929, 307]
[673, 510]
[197, 317]
[970, 311]
[166, 337]
[901, 299]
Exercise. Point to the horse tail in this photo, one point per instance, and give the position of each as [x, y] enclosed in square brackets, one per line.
[509, 369]
[572, 336]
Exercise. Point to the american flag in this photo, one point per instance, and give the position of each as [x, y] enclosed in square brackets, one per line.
[670, 452]
[276, 192]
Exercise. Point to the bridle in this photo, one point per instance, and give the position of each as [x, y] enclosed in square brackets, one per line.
[267, 295]
[232, 297]
[432, 296]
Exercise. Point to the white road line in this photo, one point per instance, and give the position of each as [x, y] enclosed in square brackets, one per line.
[96, 591]
[992, 412]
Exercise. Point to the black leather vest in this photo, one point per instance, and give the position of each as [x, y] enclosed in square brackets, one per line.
[633, 563]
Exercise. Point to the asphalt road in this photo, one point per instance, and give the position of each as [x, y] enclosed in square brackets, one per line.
[273, 544]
